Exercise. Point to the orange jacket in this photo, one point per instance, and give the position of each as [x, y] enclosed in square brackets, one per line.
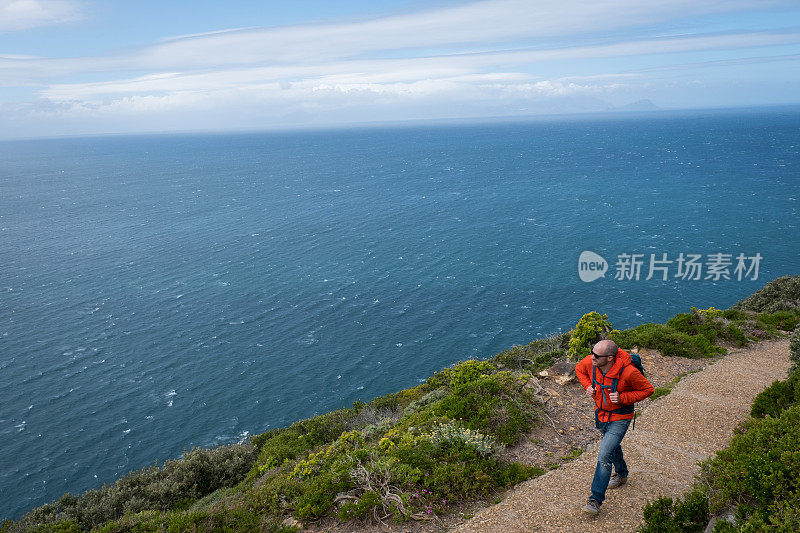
[632, 386]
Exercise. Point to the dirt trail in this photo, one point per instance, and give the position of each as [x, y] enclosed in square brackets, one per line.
[671, 436]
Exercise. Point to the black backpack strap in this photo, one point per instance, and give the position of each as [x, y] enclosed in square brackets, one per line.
[625, 409]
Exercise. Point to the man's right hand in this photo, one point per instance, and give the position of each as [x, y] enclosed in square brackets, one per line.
[590, 392]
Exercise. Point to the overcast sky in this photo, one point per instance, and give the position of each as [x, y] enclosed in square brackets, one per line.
[92, 66]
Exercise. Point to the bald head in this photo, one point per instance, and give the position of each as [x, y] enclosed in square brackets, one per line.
[606, 347]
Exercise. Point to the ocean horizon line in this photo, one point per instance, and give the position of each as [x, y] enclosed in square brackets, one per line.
[565, 117]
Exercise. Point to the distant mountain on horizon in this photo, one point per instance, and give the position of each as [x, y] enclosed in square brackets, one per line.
[644, 104]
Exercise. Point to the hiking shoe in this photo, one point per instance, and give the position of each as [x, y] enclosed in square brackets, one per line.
[592, 507]
[616, 481]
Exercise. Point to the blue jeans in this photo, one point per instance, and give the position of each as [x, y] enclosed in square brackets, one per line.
[610, 455]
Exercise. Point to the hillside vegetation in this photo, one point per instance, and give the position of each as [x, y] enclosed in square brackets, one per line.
[754, 483]
[409, 455]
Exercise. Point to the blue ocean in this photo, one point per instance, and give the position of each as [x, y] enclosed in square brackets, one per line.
[163, 292]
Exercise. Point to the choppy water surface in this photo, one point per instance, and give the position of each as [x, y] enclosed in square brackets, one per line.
[163, 292]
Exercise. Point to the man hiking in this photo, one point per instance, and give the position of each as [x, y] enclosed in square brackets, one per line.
[611, 378]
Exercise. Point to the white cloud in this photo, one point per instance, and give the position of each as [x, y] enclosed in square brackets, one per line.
[490, 22]
[517, 64]
[493, 55]
[24, 14]
[487, 26]
[328, 97]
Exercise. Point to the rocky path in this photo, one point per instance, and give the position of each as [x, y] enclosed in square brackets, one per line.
[671, 436]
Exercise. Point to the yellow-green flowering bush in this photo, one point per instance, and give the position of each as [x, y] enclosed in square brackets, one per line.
[591, 328]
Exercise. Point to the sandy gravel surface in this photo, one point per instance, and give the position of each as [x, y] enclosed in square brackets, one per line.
[671, 436]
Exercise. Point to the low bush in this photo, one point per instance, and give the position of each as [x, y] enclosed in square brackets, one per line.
[470, 371]
[452, 434]
[368, 415]
[735, 314]
[461, 372]
[498, 404]
[794, 350]
[760, 473]
[709, 323]
[63, 526]
[456, 472]
[777, 397]
[441, 449]
[277, 446]
[415, 452]
[432, 397]
[590, 329]
[534, 356]
[781, 294]
[778, 321]
[198, 473]
[386, 401]
[736, 335]
[667, 340]
[403, 475]
[667, 516]
[223, 520]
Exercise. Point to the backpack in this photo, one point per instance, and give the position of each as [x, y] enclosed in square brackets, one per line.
[636, 361]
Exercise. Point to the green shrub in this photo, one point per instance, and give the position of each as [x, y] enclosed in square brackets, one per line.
[781, 294]
[735, 314]
[435, 474]
[777, 397]
[360, 507]
[370, 417]
[759, 471]
[326, 473]
[461, 372]
[65, 526]
[400, 475]
[778, 321]
[522, 359]
[497, 404]
[430, 398]
[469, 371]
[666, 340]
[709, 323]
[198, 473]
[534, 356]
[222, 520]
[387, 400]
[451, 433]
[512, 473]
[694, 324]
[735, 334]
[279, 445]
[794, 350]
[591, 328]
[665, 516]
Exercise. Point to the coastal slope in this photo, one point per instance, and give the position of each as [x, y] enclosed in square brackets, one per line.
[675, 432]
